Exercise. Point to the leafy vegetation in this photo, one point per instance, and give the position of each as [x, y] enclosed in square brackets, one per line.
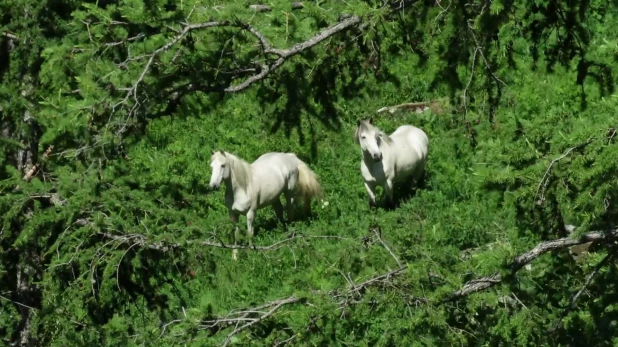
[110, 110]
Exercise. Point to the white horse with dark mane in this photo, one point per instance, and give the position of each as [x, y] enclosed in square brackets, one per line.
[390, 159]
[250, 187]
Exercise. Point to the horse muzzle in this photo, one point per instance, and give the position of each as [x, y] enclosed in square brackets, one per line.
[377, 157]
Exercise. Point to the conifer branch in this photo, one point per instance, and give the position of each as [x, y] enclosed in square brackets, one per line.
[589, 279]
[350, 296]
[540, 190]
[520, 261]
[264, 68]
[248, 316]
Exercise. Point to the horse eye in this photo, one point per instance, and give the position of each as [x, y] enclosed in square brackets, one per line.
[222, 165]
[363, 137]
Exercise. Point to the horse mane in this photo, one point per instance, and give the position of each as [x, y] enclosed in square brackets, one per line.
[365, 125]
[240, 171]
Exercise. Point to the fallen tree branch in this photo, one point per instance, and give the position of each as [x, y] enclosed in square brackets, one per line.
[377, 280]
[525, 258]
[418, 107]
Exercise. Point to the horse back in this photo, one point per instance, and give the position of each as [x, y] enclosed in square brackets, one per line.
[410, 138]
[272, 171]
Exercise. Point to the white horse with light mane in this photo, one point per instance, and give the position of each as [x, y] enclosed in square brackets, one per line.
[389, 159]
[250, 187]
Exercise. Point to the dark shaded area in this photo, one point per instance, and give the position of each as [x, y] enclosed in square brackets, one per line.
[406, 190]
[557, 284]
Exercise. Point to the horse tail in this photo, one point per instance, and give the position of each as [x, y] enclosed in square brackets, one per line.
[308, 184]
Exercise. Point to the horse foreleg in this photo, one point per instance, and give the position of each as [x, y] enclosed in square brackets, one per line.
[388, 191]
[250, 217]
[371, 191]
[234, 219]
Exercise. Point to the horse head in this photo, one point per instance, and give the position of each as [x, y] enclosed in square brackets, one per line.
[220, 169]
[369, 138]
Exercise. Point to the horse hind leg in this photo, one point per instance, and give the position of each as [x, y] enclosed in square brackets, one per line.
[307, 205]
[290, 201]
[290, 194]
[278, 207]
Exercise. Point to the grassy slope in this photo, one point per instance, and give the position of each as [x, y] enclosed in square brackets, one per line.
[455, 211]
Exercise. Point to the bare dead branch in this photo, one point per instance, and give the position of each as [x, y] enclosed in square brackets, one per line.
[32, 171]
[10, 36]
[378, 231]
[296, 5]
[275, 305]
[465, 91]
[18, 303]
[540, 191]
[245, 318]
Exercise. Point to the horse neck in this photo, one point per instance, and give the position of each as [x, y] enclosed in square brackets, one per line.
[234, 182]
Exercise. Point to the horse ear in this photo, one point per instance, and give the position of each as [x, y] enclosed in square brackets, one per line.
[371, 120]
[358, 121]
[222, 152]
[212, 151]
